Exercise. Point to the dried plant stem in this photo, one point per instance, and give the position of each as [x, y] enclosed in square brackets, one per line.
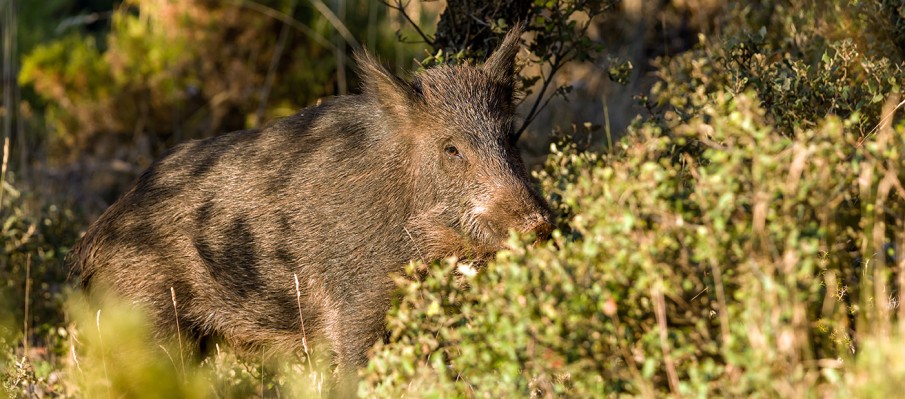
[286, 19]
[723, 313]
[178, 331]
[888, 111]
[900, 260]
[660, 312]
[3, 168]
[606, 126]
[337, 23]
[167, 352]
[9, 81]
[417, 247]
[100, 342]
[298, 301]
[75, 358]
[27, 295]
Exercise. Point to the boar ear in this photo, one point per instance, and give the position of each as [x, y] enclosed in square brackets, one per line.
[395, 94]
[501, 64]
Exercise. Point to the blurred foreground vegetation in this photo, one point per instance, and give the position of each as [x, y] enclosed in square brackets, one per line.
[740, 235]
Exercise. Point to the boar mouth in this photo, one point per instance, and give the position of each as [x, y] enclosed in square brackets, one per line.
[438, 234]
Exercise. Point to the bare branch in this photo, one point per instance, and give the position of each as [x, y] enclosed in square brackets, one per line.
[555, 65]
[557, 61]
[401, 8]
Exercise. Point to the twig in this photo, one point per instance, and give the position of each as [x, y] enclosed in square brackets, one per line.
[178, 333]
[554, 67]
[81, 21]
[725, 335]
[558, 60]
[607, 129]
[415, 244]
[900, 266]
[698, 294]
[660, 312]
[401, 8]
[883, 121]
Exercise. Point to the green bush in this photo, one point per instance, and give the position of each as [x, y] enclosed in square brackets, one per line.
[35, 237]
[742, 240]
[804, 61]
[708, 276]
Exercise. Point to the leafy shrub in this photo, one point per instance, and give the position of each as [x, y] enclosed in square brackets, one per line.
[741, 242]
[803, 62]
[701, 276]
[35, 237]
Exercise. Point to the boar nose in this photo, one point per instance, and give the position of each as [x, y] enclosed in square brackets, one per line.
[539, 225]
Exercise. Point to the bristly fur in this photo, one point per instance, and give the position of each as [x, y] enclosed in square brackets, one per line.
[342, 195]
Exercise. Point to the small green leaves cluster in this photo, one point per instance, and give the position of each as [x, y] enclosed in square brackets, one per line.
[804, 63]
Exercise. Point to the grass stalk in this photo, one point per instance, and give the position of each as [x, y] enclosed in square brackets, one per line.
[298, 301]
[27, 295]
[178, 331]
[100, 342]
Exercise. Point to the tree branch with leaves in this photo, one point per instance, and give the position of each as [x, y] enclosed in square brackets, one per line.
[469, 30]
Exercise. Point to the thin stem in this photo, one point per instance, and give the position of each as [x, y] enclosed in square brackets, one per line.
[27, 294]
[178, 333]
[298, 300]
[558, 60]
[401, 8]
[287, 19]
[547, 79]
[100, 342]
[660, 313]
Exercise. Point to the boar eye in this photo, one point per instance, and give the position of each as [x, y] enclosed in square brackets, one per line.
[452, 151]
